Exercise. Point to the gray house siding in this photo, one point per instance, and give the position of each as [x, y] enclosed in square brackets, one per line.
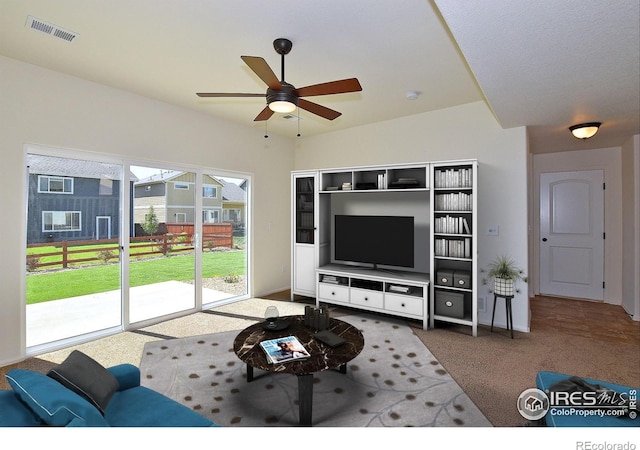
[85, 199]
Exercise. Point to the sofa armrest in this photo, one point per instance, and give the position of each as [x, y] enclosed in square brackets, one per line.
[128, 375]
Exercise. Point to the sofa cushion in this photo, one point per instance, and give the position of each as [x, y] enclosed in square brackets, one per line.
[143, 407]
[545, 380]
[53, 403]
[14, 413]
[87, 378]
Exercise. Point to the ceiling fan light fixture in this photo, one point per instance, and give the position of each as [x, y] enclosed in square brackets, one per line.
[585, 130]
[283, 100]
[283, 107]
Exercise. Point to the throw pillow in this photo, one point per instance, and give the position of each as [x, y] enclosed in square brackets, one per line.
[54, 404]
[86, 377]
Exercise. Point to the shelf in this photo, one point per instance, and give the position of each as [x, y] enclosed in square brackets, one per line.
[376, 179]
[454, 243]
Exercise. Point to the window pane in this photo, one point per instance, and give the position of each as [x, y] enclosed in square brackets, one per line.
[73, 270]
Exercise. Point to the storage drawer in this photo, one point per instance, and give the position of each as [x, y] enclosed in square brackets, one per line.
[444, 277]
[404, 304]
[450, 304]
[332, 292]
[372, 299]
[462, 279]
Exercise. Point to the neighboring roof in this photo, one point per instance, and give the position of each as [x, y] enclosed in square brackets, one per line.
[231, 192]
[79, 168]
[164, 175]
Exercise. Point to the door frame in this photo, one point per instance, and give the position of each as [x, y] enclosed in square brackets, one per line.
[610, 161]
[126, 197]
[594, 241]
[98, 219]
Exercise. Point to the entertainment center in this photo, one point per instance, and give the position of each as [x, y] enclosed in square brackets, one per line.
[396, 239]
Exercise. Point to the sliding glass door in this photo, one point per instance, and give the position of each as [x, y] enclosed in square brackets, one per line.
[72, 264]
[161, 248]
[184, 247]
[224, 238]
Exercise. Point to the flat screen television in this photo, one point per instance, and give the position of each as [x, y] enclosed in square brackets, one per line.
[384, 240]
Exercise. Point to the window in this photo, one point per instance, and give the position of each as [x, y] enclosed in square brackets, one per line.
[210, 192]
[211, 216]
[55, 185]
[61, 221]
[181, 217]
[106, 187]
[147, 188]
[183, 186]
[232, 215]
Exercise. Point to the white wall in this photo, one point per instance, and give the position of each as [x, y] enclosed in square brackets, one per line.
[608, 160]
[631, 227]
[39, 106]
[467, 131]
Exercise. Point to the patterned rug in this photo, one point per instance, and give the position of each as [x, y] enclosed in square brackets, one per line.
[394, 382]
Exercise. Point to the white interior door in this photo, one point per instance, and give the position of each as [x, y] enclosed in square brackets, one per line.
[572, 234]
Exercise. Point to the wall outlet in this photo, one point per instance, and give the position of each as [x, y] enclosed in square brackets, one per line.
[493, 230]
[482, 304]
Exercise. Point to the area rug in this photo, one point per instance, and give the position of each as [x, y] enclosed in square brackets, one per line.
[394, 382]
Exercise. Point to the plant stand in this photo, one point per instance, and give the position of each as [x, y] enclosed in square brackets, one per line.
[507, 305]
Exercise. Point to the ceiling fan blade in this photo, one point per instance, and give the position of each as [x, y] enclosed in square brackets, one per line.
[264, 114]
[319, 110]
[332, 87]
[227, 94]
[262, 69]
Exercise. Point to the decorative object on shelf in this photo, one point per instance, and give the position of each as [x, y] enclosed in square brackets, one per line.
[316, 318]
[505, 274]
[273, 322]
[585, 130]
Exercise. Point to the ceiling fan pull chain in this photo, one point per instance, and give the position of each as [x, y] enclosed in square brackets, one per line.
[266, 135]
[298, 111]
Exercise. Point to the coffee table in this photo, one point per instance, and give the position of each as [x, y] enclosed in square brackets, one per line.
[323, 357]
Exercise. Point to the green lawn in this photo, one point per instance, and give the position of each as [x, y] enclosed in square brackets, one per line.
[42, 287]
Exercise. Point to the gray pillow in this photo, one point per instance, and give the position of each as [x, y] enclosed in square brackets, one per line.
[86, 377]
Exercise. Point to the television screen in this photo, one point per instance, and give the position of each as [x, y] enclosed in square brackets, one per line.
[386, 240]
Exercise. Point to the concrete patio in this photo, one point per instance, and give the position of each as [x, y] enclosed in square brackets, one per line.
[61, 319]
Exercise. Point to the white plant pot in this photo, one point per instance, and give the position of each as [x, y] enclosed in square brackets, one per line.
[503, 286]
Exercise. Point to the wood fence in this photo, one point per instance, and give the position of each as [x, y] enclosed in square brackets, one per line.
[179, 239]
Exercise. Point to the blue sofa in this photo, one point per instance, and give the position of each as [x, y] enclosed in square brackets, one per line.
[545, 380]
[39, 400]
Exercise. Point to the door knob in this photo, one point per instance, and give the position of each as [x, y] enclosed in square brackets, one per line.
[544, 239]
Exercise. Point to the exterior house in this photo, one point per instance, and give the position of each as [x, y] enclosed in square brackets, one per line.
[171, 194]
[234, 202]
[71, 200]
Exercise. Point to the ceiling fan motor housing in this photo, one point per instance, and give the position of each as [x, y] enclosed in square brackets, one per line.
[286, 94]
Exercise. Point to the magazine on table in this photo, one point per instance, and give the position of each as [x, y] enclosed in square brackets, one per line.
[284, 349]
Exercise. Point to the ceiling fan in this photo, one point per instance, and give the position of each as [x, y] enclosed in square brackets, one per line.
[283, 97]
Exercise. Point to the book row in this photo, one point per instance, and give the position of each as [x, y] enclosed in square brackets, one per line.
[458, 201]
[452, 248]
[451, 225]
[454, 178]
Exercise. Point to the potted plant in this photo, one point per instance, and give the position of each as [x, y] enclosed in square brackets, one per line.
[505, 273]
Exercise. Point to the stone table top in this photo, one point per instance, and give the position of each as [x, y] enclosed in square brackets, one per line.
[322, 357]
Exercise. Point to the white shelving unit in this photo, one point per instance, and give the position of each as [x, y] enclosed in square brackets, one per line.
[442, 193]
[405, 295]
[304, 216]
[453, 243]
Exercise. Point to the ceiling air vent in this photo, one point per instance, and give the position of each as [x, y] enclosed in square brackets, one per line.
[50, 29]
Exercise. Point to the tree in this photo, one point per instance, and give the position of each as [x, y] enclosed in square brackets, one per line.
[150, 225]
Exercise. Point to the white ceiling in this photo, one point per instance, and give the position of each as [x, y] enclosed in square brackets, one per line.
[544, 64]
